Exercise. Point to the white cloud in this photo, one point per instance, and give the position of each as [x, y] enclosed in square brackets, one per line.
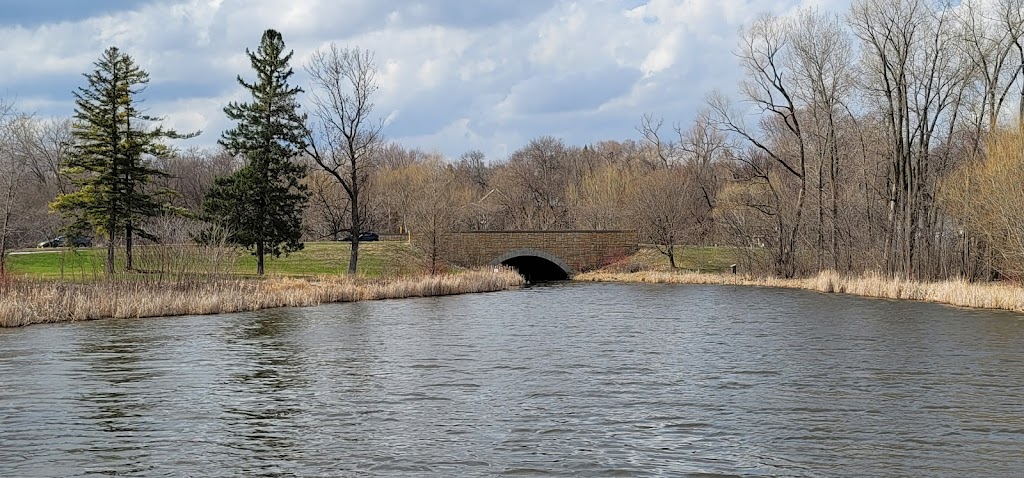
[663, 56]
[486, 74]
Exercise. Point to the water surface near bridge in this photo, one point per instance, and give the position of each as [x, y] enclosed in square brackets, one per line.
[570, 379]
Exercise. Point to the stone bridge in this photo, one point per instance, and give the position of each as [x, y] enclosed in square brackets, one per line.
[542, 255]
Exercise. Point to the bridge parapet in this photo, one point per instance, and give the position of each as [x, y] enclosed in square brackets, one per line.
[579, 250]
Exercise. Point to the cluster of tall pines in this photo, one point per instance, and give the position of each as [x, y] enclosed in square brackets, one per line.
[887, 139]
[114, 149]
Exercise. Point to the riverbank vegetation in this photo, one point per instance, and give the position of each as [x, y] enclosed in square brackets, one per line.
[24, 302]
[958, 292]
[712, 265]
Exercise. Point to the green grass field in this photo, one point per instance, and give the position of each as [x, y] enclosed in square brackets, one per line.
[376, 259]
[695, 258]
[317, 258]
[56, 263]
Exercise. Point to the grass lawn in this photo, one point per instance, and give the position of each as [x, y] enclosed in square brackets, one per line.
[317, 258]
[702, 258]
[57, 263]
[376, 259]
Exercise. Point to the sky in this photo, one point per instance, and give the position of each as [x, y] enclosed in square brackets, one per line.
[455, 75]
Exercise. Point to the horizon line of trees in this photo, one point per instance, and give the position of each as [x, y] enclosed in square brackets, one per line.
[887, 140]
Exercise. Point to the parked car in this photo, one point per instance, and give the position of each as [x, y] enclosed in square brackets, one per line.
[363, 237]
[64, 241]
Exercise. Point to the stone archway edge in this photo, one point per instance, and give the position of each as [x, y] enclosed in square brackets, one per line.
[534, 253]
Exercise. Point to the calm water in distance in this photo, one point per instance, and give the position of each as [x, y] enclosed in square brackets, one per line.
[563, 380]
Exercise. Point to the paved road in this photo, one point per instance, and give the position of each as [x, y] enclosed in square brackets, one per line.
[41, 251]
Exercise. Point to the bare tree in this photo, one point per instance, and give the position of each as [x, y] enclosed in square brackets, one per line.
[44, 143]
[768, 85]
[473, 166]
[327, 215]
[534, 184]
[693, 151]
[602, 199]
[344, 138]
[918, 80]
[192, 173]
[702, 147]
[1012, 13]
[435, 212]
[12, 172]
[989, 37]
[39, 146]
[749, 211]
[822, 54]
[702, 143]
[663, 152]
[1011, 18]
[662, 209]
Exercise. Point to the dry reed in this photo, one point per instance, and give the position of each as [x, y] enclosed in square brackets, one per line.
[953, 292]
[31, 302]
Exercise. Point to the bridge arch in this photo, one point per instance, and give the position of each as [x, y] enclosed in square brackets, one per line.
[567, 252]
[535, 264]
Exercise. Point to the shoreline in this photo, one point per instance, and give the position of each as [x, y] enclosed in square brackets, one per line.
[37, 302]
[998, 296]
[31, 302]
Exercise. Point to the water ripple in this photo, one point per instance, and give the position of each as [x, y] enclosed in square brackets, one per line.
[567, 380]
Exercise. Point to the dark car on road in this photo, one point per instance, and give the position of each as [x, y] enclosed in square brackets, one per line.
[363, 237]
[64, 241]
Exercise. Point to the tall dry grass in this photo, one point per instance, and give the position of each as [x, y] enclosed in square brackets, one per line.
[30, 302]
[953, 292]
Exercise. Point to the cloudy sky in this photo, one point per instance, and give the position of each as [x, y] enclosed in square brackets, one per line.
[455, 75]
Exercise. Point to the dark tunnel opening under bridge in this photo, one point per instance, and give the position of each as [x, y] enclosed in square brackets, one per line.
[537, 269]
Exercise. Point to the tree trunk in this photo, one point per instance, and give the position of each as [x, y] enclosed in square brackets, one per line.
[4, 231]
[801, 196]
[357, 223]
[259, 257]
[433, 253]
[354, 256]
[110, 252]
[129, 192]
[1020, 104]
[128, 246]
[833, 173]
[821, 212]
[3, 248]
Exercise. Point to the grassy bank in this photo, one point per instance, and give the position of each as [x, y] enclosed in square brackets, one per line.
[376, 259]
[24, 302]
[959, 293]
[692, 258]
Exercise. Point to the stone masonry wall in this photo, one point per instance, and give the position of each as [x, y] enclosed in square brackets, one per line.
[581, 250]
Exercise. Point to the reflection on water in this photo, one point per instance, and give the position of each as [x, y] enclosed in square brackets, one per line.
[264, 396]
[563, 379]
[116, 400]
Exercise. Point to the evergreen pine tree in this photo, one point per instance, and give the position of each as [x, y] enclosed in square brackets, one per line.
[109, 160]
[262, 203]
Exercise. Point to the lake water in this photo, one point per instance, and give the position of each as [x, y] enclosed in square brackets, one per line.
[561, 380]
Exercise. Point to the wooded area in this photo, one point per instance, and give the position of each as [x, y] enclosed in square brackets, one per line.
[888, 139]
